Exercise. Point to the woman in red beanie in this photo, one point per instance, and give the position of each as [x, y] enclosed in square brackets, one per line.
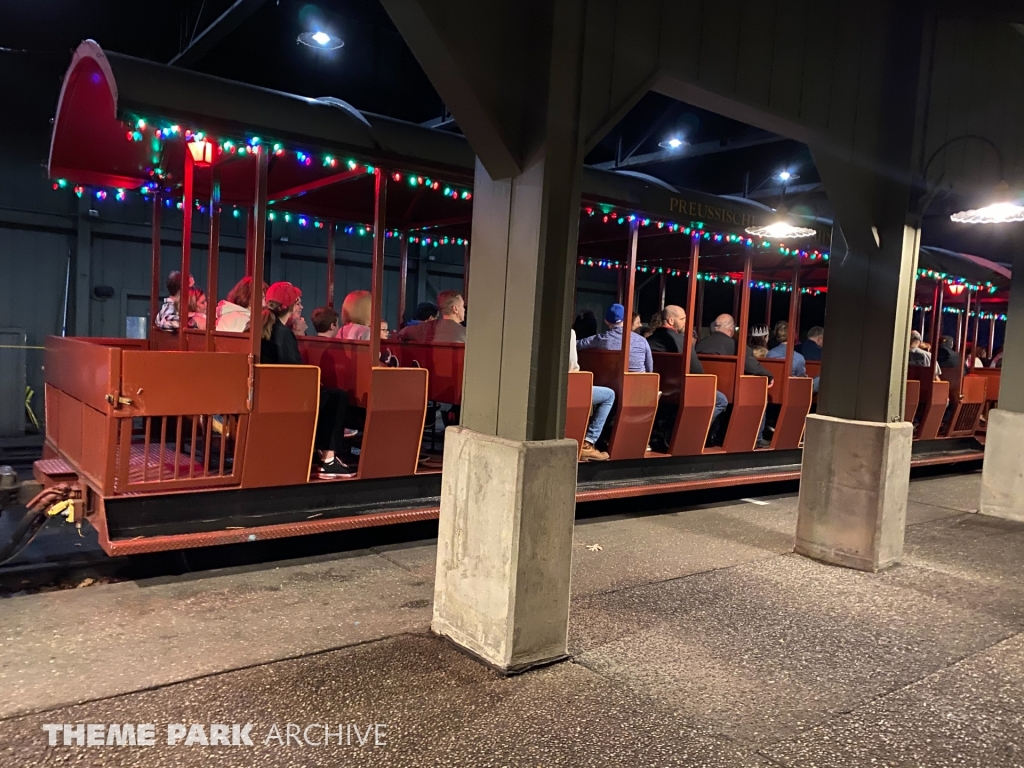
[279, 347]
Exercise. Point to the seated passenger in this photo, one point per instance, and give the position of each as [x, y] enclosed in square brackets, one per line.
[447, 328]
[585, 324]
[721, 341]
[760, 352]
[279, 347]
[669, 330]
[671, 337]
[917, 355]
[167, 317]
[355, 316]
[197, 306]
[799, 367]
[811, 346]
[640, 359]
[779, 335]
[233, 312]
[325, 322]
[947, 357]
[601, 401]
[424, 312]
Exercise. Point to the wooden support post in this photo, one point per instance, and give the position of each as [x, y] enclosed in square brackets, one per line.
[974, 337]
[991, 338]
[403, 276]
[691, 303]
[249, 235]
[794, 330]
[154, 291]
[330, 263]
[213, 260]
[768, 309]
[743, 291]
[380, 199]
[186, 251]
[699, 315]
[630, 282]
[936, 333]
[259, 233]
[663, 284]
[465, 273]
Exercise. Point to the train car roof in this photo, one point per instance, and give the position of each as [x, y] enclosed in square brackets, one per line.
[121, 122]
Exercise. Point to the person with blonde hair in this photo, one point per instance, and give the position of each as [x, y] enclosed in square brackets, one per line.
[356, 313]
[197, 307]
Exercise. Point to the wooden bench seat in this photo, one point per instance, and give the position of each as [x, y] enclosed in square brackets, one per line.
[748, 412]
[694, 395]
[636, 401]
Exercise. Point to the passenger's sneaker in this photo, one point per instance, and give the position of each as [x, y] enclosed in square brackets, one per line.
[763, 444]
[590, 453]
[350, 433]
[335, 468]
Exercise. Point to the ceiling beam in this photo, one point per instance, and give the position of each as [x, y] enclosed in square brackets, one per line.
[692, 150]
[224, 25]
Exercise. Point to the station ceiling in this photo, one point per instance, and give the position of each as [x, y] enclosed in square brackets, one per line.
[256, 42]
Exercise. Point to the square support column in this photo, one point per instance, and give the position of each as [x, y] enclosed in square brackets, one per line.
[504, 549]
[853, 491]
[1002, 477]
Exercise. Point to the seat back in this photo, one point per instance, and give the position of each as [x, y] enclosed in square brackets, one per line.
[579, 399]
[445, 360]
[912, 400]
[636, 401]
[343, 364]
[723, 367]
[992, 377]
[969, 407]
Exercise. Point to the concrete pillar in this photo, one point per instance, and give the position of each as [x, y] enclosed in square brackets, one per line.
[856, 459]
[508, 491]
[504, 547]
[1002, 475]
[857, 448]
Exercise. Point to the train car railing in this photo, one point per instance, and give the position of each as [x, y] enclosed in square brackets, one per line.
[132, 420]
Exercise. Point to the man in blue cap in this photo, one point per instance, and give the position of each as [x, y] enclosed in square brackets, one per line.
[640, 360]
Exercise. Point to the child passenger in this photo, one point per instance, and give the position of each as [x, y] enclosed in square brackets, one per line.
[279, 347]
[325, 321]
[167, 317]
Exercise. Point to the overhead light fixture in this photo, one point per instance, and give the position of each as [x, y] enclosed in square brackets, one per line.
[1002, 211]
[673, 142]
[781, 229]
[956, 288]
[324, 41]
[786, 176]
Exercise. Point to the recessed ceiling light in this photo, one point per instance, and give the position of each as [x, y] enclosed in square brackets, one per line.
[322, 40]
[673, 142]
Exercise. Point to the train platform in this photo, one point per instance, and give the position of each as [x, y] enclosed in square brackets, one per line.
[697, 638]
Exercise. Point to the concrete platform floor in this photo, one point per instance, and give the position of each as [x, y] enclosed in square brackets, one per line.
[697, 639]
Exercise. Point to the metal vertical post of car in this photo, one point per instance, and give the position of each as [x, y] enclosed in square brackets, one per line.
[377, 286]
[186, 251]
[741, 330]
[154, 291]
[213, 261]
[628, 282]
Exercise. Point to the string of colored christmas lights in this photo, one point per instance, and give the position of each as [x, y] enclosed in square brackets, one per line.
[711, 277]
[953, 280]
[697, 228]
[302, 220]
[255, 144]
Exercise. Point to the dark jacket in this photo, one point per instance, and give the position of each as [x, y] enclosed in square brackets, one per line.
[665, 339]
[281, 348]
[948, 358]
[810, 350]
[720, 344]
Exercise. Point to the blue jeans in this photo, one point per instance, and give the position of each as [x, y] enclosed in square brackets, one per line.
[721, 403]
[603, 399]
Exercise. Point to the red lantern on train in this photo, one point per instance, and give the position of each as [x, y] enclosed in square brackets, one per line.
[956, 288]
[202, 152]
